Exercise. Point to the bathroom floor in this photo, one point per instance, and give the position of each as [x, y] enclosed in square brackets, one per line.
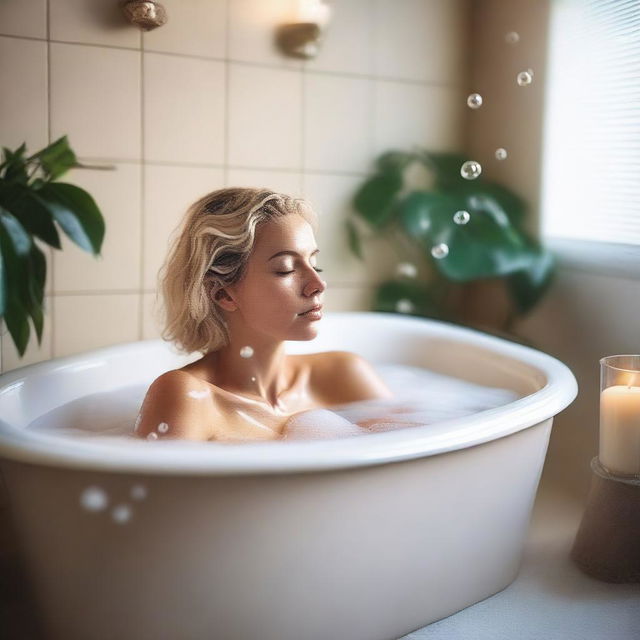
[550, 598]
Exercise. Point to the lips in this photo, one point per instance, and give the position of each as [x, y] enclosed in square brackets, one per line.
[318, 307]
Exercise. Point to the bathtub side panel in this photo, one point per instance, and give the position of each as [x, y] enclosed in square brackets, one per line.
[365, 554]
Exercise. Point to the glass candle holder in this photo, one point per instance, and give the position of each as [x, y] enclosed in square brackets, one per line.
[619, 451]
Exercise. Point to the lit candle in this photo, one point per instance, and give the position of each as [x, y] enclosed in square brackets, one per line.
[620, 414]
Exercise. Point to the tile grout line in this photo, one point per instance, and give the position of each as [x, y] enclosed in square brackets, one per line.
[258, 64]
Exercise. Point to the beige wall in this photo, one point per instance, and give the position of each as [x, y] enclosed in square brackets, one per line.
[204, 102]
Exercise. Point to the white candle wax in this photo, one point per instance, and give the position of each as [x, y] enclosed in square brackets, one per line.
[620, 429]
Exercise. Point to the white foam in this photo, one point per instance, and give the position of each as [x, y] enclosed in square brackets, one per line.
[421, 397]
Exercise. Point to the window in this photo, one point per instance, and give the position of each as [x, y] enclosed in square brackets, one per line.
[591, 166]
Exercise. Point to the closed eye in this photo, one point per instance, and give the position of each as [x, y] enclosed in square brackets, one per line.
[284, 273]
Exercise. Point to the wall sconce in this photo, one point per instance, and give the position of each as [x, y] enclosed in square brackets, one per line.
[145, 14]
[301, 39]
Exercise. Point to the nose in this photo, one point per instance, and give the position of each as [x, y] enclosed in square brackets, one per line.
[315, 285]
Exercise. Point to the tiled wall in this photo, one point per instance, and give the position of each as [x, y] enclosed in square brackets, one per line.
[206, 101]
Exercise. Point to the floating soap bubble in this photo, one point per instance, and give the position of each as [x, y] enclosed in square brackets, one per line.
[138, 492]
[406, 269]
[93, 499]
[501, 154]
[512, 37]
[440, 251]
[152, 436]
[470, 170]
[461, 217]
[246, 352]
[525, 77]
[404, 306]
[163, 427]
[253, 378]
[474, 100]
[121, 513]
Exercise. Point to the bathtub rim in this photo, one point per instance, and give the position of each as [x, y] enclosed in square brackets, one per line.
[173, 457]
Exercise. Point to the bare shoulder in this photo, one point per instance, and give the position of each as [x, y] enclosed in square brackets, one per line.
[177, 405]
[344, 376]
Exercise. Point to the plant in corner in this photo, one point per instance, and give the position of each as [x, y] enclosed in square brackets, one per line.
[467, 233]
[30, 202]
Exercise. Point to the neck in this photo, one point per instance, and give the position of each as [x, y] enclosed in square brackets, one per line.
[264, 375]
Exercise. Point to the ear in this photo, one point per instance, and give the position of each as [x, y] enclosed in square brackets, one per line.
[224, 300]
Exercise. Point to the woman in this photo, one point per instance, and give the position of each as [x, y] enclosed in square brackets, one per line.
[239, 280]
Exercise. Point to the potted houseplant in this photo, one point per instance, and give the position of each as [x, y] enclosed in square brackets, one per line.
[31, 201]
[467, 230]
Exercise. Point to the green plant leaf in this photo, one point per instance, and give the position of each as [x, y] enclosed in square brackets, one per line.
[484, 247]
[492, 198]
[14, 165]
[392, 292]
[77, 213]
[375, 199]
[394, 161]
[16, 319]
[446, 168]
[354, 239]
[528, 285]
[15, 245]
[29, 209]
[19, 238]
[37, 280]
[57, 158]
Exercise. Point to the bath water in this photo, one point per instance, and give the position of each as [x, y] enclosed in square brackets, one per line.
[421, 397]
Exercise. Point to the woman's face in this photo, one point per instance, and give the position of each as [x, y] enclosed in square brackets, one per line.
[278, 287]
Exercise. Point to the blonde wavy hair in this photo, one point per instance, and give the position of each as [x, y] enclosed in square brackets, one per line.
[209, 250]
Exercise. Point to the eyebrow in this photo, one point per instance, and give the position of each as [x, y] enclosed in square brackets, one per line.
[291, 253]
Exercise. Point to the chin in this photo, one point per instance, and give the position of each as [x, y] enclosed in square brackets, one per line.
[309, 333]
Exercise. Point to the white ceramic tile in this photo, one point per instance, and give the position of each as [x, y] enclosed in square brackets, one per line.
[283, 181]
[35, 352]
[91, 22]
[421, 39]
[151, 317]
[117, 194]
[252, 29]
[407, 115]
[168, 193]
[331, 197]
[347, 42]
[23, 107]
[338, 123]
[265, 115]
[95, 100]
[20, 18]
[86, 322]
[183, 109]
[196, 27]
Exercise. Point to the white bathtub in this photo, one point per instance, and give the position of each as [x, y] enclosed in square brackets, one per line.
[363, 538]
